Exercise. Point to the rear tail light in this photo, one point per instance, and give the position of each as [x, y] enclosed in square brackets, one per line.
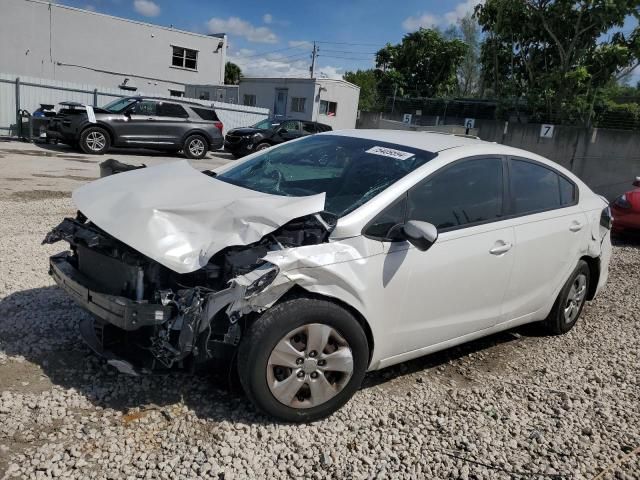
[219, 125]
[622, 202]
[606, 219]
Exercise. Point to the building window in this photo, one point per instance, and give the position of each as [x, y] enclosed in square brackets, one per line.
[328, 108]
[204, 95]
[184, 58]
[176, 93]
[297, 104]
[249, 100]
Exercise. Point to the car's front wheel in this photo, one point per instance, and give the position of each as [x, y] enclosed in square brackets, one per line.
[95, 141]
[570, 301]
[262, 146]
[303, 359]
[195, 146]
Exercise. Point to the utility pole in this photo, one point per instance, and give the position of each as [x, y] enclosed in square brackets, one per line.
[395, 90]
[314, 54]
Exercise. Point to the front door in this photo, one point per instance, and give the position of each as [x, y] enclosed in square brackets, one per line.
[458, 285]
[139, 128]
[280, 107]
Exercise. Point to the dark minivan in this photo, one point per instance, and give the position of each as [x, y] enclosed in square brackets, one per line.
[268, 132]
[139, 122]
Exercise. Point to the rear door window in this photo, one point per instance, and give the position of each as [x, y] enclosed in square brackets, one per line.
[536, 188]
[309, 127]
[171, 110]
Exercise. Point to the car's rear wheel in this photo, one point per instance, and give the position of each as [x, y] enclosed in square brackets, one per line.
[568, 306]
[303, 359]
[195, 146]
[95, 141]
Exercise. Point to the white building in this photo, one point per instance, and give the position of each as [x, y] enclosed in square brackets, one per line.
[324, 100]
[47, 40]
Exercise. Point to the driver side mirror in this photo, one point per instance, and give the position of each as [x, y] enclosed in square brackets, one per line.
[419, 234]
[636, 182]
[282, 130]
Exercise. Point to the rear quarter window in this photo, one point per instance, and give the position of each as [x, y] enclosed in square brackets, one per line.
[206, 114]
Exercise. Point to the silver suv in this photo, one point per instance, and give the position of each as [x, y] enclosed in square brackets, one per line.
[139, 122]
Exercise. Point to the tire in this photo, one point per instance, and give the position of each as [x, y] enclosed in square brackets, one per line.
[195, 147]
[571, 299]
[262, 146]
[295, 324]
[95, 140]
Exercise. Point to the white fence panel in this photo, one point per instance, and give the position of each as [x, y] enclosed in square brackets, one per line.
[7, 104]
[233, 116]
[35, 91]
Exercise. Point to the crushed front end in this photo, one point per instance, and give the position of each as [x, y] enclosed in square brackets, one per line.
[147, 317]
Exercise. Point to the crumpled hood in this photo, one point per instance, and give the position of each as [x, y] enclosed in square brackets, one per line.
[181, 217]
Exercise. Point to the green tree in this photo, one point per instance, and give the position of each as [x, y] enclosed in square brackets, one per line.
[557, 55]
[468, 74]
[367, 80]
[424, 64]
[232, 74]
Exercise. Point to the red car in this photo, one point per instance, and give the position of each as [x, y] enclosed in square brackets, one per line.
[626, 211]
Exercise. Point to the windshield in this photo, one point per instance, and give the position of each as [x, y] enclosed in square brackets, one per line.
[349, 170]
[265, 124]
[119, 105]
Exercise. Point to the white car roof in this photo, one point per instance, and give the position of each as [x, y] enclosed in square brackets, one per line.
[429, 141]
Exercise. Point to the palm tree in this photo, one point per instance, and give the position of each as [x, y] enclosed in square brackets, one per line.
[232, 74]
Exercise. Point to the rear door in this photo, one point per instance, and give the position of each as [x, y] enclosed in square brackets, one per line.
[171, 124]
[550, 233]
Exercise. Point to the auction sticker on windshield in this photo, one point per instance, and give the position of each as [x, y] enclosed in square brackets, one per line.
[390, 152]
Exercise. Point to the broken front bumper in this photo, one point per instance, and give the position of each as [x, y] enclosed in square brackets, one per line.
[119, 311]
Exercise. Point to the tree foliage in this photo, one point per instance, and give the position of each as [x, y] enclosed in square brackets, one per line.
[367, 80]
[232, 74]
[557, 55]
[424, 64]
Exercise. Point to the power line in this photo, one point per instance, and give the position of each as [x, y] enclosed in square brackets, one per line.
[347, 58]
[347, 43]
[268, 52]
[350, 51]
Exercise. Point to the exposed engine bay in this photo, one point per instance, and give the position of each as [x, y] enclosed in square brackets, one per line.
[149, 317]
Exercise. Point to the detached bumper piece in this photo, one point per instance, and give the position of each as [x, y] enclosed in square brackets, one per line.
[121, 312]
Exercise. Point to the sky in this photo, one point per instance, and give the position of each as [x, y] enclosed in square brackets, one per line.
[275, 38]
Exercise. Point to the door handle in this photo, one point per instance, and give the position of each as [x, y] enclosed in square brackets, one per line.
[500, 249]
[150, 118]
[576, 226]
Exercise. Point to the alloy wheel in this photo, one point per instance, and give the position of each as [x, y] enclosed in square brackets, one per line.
[96, 141]
[309, 366]
[575, 298]
[196, 147]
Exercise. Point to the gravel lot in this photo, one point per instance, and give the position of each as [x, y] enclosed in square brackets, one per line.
[514, 405]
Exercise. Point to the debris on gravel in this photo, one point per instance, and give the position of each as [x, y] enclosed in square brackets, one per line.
[514, 405]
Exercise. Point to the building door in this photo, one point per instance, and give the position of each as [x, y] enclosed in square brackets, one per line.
[280, 107]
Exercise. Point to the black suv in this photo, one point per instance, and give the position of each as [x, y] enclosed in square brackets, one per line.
[243, 141]
[141, 122]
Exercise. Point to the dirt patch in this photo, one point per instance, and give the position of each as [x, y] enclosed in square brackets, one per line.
[23, 376]
[35, 195]
[77, 159]
[45, 153]
[78, 178]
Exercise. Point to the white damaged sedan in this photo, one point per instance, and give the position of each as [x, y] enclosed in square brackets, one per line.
[310, 263]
